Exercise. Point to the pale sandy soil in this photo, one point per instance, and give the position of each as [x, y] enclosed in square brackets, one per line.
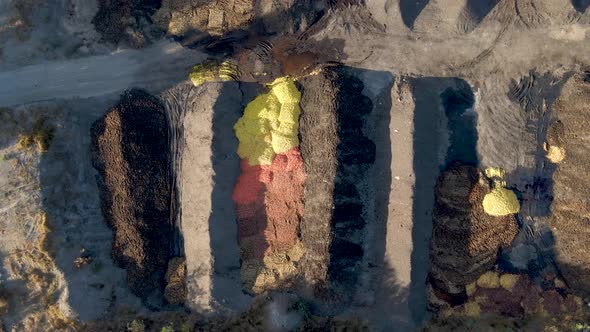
[58, 187]
[208, 170]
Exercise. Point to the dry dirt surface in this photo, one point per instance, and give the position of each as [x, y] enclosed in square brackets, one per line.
[393, 92]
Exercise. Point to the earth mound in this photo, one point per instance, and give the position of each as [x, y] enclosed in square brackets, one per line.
[126, 21]
[570, 210]
[199, 21]
[131, 153]
[465, 239]
[336, 155]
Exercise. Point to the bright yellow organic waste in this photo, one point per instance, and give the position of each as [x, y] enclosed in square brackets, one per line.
[270, 123]
[508, 281]
[501, 201]
[211, 71]
[495, 172]
[555, 154]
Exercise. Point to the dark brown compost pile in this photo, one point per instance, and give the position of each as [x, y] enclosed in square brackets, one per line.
[465, 239]
[130, 151]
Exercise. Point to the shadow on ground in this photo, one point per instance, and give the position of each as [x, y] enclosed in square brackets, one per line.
[581, 5]
[77, 228]
[223, 224]
[362, 183]
[476, 9]
[345, 143]
[444, 133]
[410, 10]
[480, 8]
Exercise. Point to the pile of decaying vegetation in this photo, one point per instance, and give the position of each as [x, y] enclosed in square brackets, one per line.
[336, 157]
[500, 299]
[130, 150]
[137, 22]
[268, 195]
[517, 301]
[568, 141]
[38, 138]
[126, 21]
[469, 290]
[197, 19]
[465, 239]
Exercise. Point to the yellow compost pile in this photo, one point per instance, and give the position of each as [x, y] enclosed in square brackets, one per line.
[500, 201]
[555, 154]
[211, 71]
[270, 123]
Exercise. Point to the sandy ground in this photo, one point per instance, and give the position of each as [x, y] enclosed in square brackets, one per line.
[491, 53]
[393, 108]
[59, 184]
[398, 233]
[209, 168]
[33, 31]
[156, 68]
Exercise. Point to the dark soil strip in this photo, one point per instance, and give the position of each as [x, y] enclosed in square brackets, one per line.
[336, 157]
[319, 140]
[570, 211]
[131, 153]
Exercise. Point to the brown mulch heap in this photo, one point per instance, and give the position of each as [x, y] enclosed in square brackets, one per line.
[570, 211]
[126, 21]
[336, 156]
[175, 292]
[131, 153]
[465, 240]
[220, 17]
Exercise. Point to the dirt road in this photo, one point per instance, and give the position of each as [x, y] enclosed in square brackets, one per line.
[154, 68]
